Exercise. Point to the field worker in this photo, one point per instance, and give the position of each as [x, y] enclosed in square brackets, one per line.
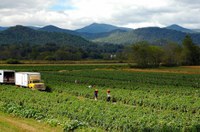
[108, 95]
[96, 94]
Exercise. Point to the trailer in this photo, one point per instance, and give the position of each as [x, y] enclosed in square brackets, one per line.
[30, 80]
[7, 76]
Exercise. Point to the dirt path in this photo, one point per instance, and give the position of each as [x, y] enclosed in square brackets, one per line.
[15, 124]
[181, 70]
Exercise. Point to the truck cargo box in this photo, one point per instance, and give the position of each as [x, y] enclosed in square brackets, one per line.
[7, 76]
[24, 78]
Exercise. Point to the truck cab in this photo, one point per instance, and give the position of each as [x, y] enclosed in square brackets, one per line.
[36, 84]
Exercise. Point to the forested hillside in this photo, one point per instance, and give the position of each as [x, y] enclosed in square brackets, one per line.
[93, 36]
[21, 34]
[154, 35]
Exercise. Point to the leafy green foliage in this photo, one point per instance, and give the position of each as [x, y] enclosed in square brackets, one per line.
[52, 51]
[171, 54]
[191, 52]
[147, 56]
[20, 110]
[73, 125]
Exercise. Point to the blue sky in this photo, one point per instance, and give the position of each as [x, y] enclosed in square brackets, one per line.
[73, 14]
[61, 5]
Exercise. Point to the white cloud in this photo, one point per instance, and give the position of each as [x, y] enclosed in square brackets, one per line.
[23, 12]
[74, 14]
[25, 4]
[117, 12]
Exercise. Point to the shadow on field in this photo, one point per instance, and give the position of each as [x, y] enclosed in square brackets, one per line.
[48, 89]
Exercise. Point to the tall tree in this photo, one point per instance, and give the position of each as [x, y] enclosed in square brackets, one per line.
[155, 55]
[146, 55]
[191, 53]
[172, 53]
[140, 54]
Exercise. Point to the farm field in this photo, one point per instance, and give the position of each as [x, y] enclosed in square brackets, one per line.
[164, 99]
[9, 123]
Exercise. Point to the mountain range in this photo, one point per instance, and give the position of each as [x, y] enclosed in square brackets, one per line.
[101, 33]
[21, 34]
[97, 28]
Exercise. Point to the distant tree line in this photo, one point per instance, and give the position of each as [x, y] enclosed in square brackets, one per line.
[52, 51]
[171, 54]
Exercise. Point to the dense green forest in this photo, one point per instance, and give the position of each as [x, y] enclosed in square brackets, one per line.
[52, 51]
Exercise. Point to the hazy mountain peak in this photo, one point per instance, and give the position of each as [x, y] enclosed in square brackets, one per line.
[99, 28]
[95, 23]
[19, 28]
[52, 28]
[179, 28]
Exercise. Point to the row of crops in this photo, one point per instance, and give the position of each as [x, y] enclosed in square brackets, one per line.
[61, 106]
[139, 101]
[122, 79]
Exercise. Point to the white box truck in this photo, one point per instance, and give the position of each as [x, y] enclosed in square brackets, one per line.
[29, 79]
[7, 77]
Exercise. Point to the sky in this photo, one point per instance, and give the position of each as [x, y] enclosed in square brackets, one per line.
[75, 14]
